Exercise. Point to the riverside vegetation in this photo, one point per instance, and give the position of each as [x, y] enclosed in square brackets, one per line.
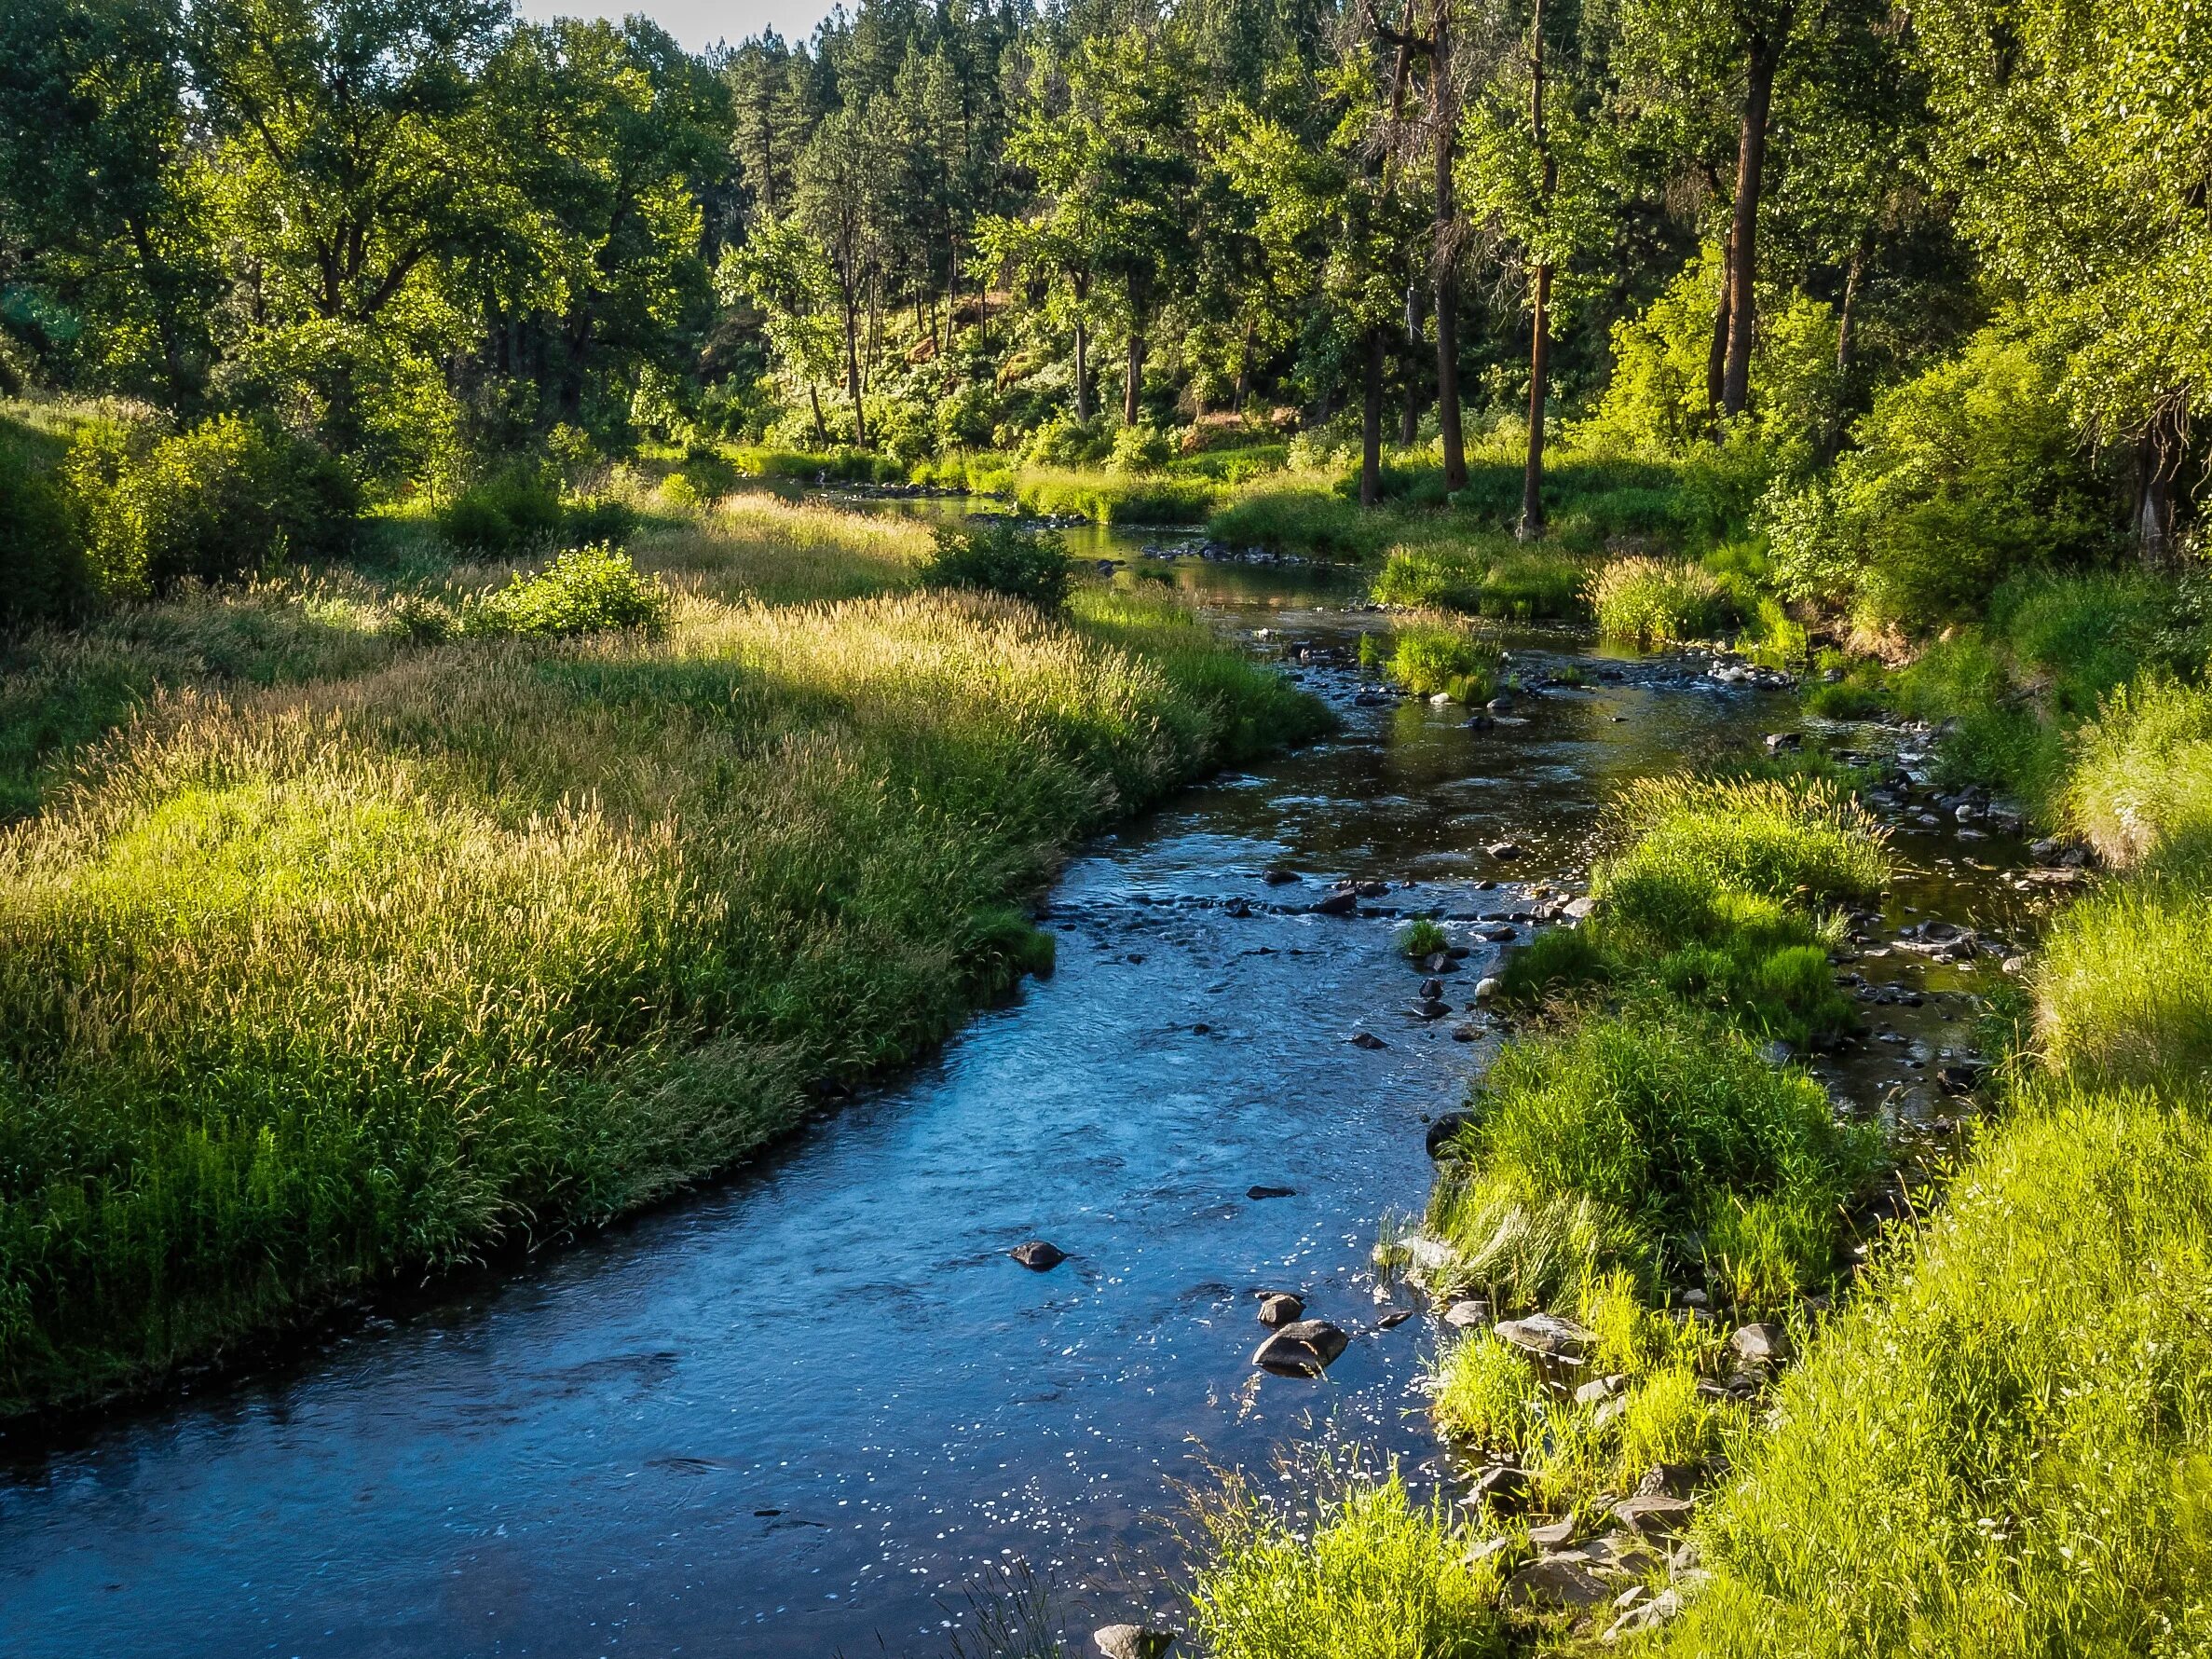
[384, 887]
[370, 918]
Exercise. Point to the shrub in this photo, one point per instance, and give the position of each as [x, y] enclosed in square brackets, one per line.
[515, 509]
[1430, 658]
[1141, 448]
[584, 591]
[1506, 581]
[995, 554]
[1659, 1116]
[2142, 777]
[1421, 937]
[226, 498]
[1374, 1576]
[1648, 601]
[44, 571]
[2124, 988]
[605, 521]
[1960, 476]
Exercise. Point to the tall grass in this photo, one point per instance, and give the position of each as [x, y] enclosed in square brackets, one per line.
[2005, 1447]
[1374, 1576]
[1648, 601]
[368, 972]
[1488, 576]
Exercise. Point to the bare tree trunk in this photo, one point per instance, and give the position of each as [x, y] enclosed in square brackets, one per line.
[1082, 383]
[1446, 120]
[852, 369]
[1716, 360]
[821, 426]
[1539, 331]
[1133, 376]
[1743, 263]
[1370, 423]
[1408, 416]
[1244, 367]
[1539, 374]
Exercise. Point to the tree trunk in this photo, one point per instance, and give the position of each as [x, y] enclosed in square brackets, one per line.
[1843, 321]
[1539, 374]
[1244, 367]
[852, 369]
[1716, 360]
[1447, 288]
[2158, 459]
[1408, 416]
[1744, 230]
[1370, 423]
[1082, 388]
[1133, 378]
[821, 426]
[1540, 328]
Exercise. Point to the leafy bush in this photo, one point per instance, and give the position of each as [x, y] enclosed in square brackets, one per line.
[1140, 448]
[226, 498]
[995, 554]
[44, 573]
[603, 521]
[584, 591]
[1960, 476]
[1063, 442]
[515, 509]
[1648, 601]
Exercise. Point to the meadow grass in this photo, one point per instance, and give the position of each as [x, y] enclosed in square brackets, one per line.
[1484, 576]
[366, 965]
[1428, 657]
[1373, 1575]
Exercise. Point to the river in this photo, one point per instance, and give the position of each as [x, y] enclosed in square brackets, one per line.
[801, 1411]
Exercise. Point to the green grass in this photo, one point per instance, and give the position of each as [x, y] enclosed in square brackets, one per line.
[1489, 576]
[2005, 1447]
[1667, 1125]
[1647, 602]
[377, 955]
[1371, 1575]
[1431, 657]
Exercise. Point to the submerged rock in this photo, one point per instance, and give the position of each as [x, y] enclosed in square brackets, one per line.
[1338, 904]
[1271, 1192]
[1446, 1127]
[1505, 850]
[1274, 876]
[1367, 1039]
[1303, 1348]
[1038, 1256]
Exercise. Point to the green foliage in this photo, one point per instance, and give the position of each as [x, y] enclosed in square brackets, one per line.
[1427, 658]
[515, 509]
[1479, 579]
[997, 556]
[1140, 448]
[45, 575]
[224, 500]
[1421, 937]
[1961, 477]
[1646, 601]
[588, 590]
[1665, 1120]
[1999, 1449]
[1373, 1577]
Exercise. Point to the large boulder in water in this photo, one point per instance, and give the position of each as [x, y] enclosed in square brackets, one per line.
[1305, 1348]
[1037, 1255]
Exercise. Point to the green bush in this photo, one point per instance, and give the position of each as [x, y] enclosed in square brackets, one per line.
[1140, 448]
[603, 521]
[585, 591]
[995, 554]
[515, 509]
[1427, 658]
[1501, 580]
[1959, 477]
[221, 500]
[44, 573]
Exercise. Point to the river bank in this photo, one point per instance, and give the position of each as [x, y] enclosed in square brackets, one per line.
[434, 944]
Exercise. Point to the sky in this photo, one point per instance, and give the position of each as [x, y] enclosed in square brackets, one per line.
[697, 22]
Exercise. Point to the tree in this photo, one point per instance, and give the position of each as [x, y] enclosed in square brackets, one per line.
[782, 271]
[837, 201]
[2076, 137]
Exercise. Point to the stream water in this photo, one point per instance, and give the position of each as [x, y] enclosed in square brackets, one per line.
[798, 1412]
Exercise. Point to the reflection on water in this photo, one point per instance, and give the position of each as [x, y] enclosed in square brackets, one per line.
[794, 1414]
